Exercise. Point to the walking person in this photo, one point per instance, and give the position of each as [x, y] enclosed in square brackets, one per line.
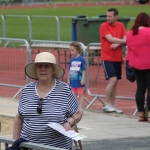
[76, 75]
[43, 101]
[138, 42]
[112, 37]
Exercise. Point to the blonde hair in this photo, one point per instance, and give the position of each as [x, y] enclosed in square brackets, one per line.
[77, 46]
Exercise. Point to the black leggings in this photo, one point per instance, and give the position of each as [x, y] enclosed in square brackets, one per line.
[143, 84]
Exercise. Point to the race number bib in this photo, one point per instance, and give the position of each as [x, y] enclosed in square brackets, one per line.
[75, 66]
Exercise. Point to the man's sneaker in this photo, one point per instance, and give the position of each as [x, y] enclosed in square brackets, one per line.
[106, 107]
[118, 110]
[109, 109]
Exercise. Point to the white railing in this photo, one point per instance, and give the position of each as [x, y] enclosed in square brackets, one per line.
[96, 83]
[7, 142]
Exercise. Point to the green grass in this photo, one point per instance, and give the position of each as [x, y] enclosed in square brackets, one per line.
[45, 28]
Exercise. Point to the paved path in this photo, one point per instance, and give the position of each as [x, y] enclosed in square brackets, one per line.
[118, 144]
[112, 126]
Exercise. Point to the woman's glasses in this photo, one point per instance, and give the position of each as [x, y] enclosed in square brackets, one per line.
[39, 107]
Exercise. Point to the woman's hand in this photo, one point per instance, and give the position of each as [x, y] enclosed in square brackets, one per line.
[67, 126]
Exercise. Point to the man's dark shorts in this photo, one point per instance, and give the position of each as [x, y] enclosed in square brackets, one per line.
[112, 69]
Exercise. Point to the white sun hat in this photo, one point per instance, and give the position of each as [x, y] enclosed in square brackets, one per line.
[44, 57]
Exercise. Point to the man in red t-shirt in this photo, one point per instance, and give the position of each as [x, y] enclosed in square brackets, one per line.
[112, 37]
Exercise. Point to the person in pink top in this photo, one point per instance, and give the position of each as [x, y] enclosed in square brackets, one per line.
[138, 42]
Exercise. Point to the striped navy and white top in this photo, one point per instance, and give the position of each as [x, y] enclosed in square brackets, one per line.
[57, 106]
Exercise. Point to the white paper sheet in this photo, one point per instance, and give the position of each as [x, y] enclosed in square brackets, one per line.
[70, 133]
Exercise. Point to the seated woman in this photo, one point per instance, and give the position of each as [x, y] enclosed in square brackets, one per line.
[43, 101]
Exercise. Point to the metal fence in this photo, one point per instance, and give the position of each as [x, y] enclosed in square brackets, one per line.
[7, 142]
[17, 53]
[96, 83]
[30, 29]
[29, 24]
[95, 80]
[13, 58]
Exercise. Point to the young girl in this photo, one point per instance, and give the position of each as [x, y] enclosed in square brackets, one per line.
[76, 76]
